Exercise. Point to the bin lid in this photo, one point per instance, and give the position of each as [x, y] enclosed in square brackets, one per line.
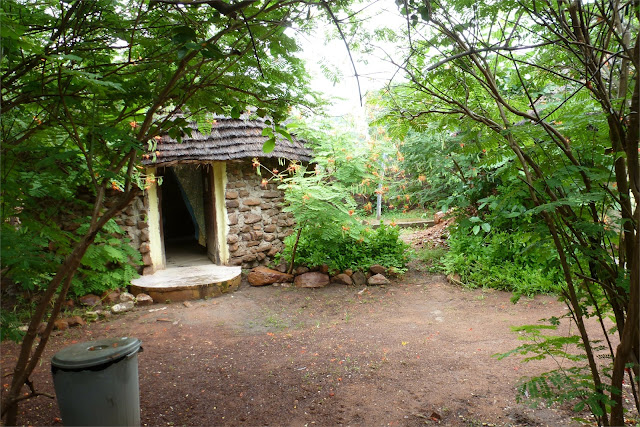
[95, 353]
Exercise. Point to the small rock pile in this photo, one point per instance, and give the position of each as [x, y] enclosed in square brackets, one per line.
[110, 303]
[318, 277]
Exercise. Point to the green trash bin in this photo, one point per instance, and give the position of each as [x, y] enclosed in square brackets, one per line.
[96, 383]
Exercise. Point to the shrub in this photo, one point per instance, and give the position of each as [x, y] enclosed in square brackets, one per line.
[515, 261]
[341, 250]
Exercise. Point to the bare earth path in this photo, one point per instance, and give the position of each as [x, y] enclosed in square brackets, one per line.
[395, 355]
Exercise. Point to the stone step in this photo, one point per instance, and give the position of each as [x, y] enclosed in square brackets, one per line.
[188, 283]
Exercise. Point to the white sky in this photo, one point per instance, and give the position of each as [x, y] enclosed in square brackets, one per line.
[333, 54]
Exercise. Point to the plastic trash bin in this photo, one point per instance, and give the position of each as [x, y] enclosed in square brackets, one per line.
[96, 383]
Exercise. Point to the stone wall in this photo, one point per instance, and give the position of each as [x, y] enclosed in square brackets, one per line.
[257, 225]
[134, 221]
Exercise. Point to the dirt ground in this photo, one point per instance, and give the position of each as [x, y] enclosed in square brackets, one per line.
[417, 352]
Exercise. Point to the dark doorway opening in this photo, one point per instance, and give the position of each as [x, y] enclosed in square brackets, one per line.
[179, 225]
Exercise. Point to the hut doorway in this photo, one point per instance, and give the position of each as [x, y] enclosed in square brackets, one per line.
[188, 216]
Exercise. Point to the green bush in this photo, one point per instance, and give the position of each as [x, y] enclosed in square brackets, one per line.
[29, 257]
[341, 250]
[515, 261]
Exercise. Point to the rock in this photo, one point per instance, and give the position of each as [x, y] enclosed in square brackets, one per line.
[90, 300]
[146, 259]
[358, 278]
[126, 296]
[377, 280]
[282, 285]
[261, 276]
[348, 272]
[342, 279]
[91, 315]
[145, 247]
[271, 194]
[300, 270]
[312, 280]
[61, 325]
[143, 299]
[122, 307]
[231, 195]
[111, 297]
[282, 267]
[41, 327]
[252, 218]
[69, 305]
[324, 268]
[438, 217]
[377, 269]
[187, 304]
[252, 201]
[75, 321]
[104, 313]
[264, 247]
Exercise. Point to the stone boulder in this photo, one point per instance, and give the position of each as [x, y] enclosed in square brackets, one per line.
[74, 321]
[300, 270]
[377, 280]
[314, 279]
[261, 276]
[90, 300]
[144, 299]
[111, 297]
[126, 296]
[342, 279]
[358, 278]
[122, 307]
[61, 325]
[377, 269]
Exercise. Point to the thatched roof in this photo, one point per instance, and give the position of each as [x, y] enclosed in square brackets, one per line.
[230, 139]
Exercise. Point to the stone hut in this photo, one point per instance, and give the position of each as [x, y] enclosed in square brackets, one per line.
[209, 199]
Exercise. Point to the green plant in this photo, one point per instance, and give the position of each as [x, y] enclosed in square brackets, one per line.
[571, 383]
[432, 259]
[340, 250]
[108, 264]
[515, 261]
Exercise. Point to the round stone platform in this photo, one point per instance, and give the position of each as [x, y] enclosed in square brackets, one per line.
[188, 283]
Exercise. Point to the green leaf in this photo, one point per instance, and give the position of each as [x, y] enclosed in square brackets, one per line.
[212, 52]
[269, 145]
[182, 52]
[486, 227]
[476, 229]
[284, 133]
[183, 34]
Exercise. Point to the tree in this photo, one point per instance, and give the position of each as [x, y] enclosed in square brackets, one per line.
[555, 87]
[88, 87]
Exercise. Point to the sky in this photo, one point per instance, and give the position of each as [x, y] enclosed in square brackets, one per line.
[333, 54]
